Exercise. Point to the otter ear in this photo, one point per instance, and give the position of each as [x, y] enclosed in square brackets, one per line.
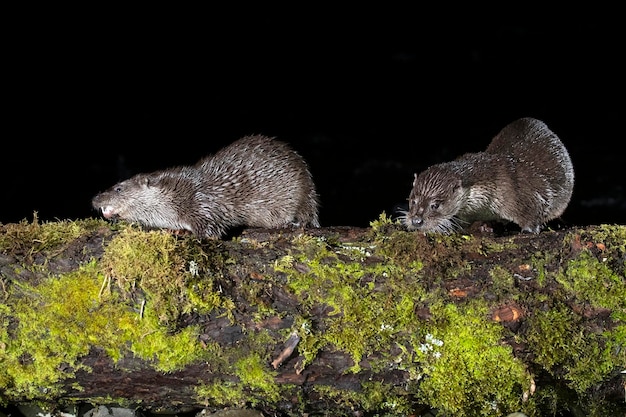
[144, 181]
[457, 184]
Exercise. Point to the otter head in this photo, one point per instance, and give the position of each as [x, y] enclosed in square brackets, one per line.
[152, 200]
[434, 201]
[121, 198]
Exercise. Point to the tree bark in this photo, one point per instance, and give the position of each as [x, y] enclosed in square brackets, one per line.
[341, 321]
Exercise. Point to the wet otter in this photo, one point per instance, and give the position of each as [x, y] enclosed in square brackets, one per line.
[524, 176]
[256, 181]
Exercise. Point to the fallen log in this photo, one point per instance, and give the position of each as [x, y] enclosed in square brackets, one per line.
[337, 321]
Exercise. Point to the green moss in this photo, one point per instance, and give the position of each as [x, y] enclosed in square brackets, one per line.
[147, 260]
[459, 366]
[612, 236]
[557, 337]
[310, 342]
[128, 303]
[466, 370]
[255, 374]
[251, 381]
[455, 360]
[342, 399]
[391, 240]
[502, 280]
[222, 393]
[560, 338]
[591, 281]
[168, 271]
[483, 373]
[60, 319]
[167, 277]
[489, 247]
[539, 261]
[168, 352]
[34, 237]
[383, 399]
[382, 222]
[56, 323]
[360, 312]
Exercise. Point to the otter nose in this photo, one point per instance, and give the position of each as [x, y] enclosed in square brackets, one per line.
[417, 221]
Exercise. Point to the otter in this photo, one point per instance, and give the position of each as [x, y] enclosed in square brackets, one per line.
[256, 181]
[525, 176]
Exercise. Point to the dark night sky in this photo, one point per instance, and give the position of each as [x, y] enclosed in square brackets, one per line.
[367, 103]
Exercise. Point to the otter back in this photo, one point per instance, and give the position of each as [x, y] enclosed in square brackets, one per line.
[256, 181]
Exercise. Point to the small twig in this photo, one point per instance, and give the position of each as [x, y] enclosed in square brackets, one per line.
[143, 304]
[105, 282]
[290, 345]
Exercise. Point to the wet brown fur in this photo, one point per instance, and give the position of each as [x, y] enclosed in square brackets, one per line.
[256, 181]
[524, 176]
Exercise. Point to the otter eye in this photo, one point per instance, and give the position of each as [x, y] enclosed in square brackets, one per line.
[118, 189]
[434, 206]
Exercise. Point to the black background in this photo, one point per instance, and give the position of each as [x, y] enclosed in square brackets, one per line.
[368, 99]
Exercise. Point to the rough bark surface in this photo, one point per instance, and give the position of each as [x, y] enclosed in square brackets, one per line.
[459, 269]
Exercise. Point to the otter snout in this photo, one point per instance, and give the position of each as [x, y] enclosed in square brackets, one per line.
[101, 203]
[108, 212]
[417, 222]
[413, 222]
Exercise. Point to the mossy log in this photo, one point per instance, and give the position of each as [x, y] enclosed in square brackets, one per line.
[334, 321]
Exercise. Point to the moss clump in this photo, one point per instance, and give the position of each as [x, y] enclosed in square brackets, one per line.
[167, 272]
[361, 313]
[222, 393]
[488, 247]
[254, 373]
[34, 237]
[56, 323]
[147, 260]
[612, 236]
[165, 350]
[166, 277]
[252, 383]
[557, 337]
[390, 400]
[502, 280]
[466, 369]
[382, 223]
[592, 282]
[383, 399]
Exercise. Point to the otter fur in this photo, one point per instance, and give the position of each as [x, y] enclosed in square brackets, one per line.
[524, 176]
[256, 181]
